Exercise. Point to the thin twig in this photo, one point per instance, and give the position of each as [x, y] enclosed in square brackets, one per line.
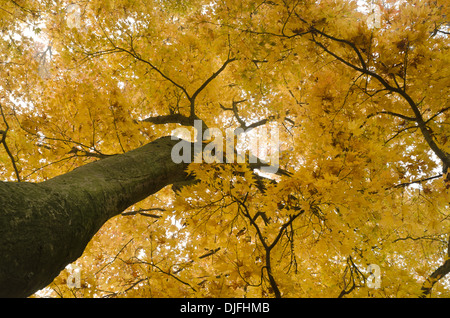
[3, 141]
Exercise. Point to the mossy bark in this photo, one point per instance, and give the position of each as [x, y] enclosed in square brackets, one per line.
[45, 226]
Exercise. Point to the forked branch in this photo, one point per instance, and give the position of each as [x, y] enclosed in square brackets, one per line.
[3, 142]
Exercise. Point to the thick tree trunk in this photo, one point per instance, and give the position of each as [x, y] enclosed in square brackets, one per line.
[45, 226]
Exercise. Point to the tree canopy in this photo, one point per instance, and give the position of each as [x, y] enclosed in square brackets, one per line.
[356, 91]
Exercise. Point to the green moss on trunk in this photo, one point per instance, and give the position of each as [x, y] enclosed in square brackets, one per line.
[45, 226]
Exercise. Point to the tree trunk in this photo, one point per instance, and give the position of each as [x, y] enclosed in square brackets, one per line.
[45, 226]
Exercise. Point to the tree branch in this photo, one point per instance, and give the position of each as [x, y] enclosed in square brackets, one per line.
[417, 181]
[241, 122]
[138, 57]
[205, 83]
[354, 271]
[351, 44]
[115, 257]
[441, 154]
[170, 119]
[268, 248]
[393, 114]
[3, 141]
[443, 110]
[168, 273]
[143, 212]
[439, 273]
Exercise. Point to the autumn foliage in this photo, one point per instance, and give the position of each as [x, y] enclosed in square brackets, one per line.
[359, 97]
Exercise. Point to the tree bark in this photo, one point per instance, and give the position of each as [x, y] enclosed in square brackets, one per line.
[46, 226]
[439, 273]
